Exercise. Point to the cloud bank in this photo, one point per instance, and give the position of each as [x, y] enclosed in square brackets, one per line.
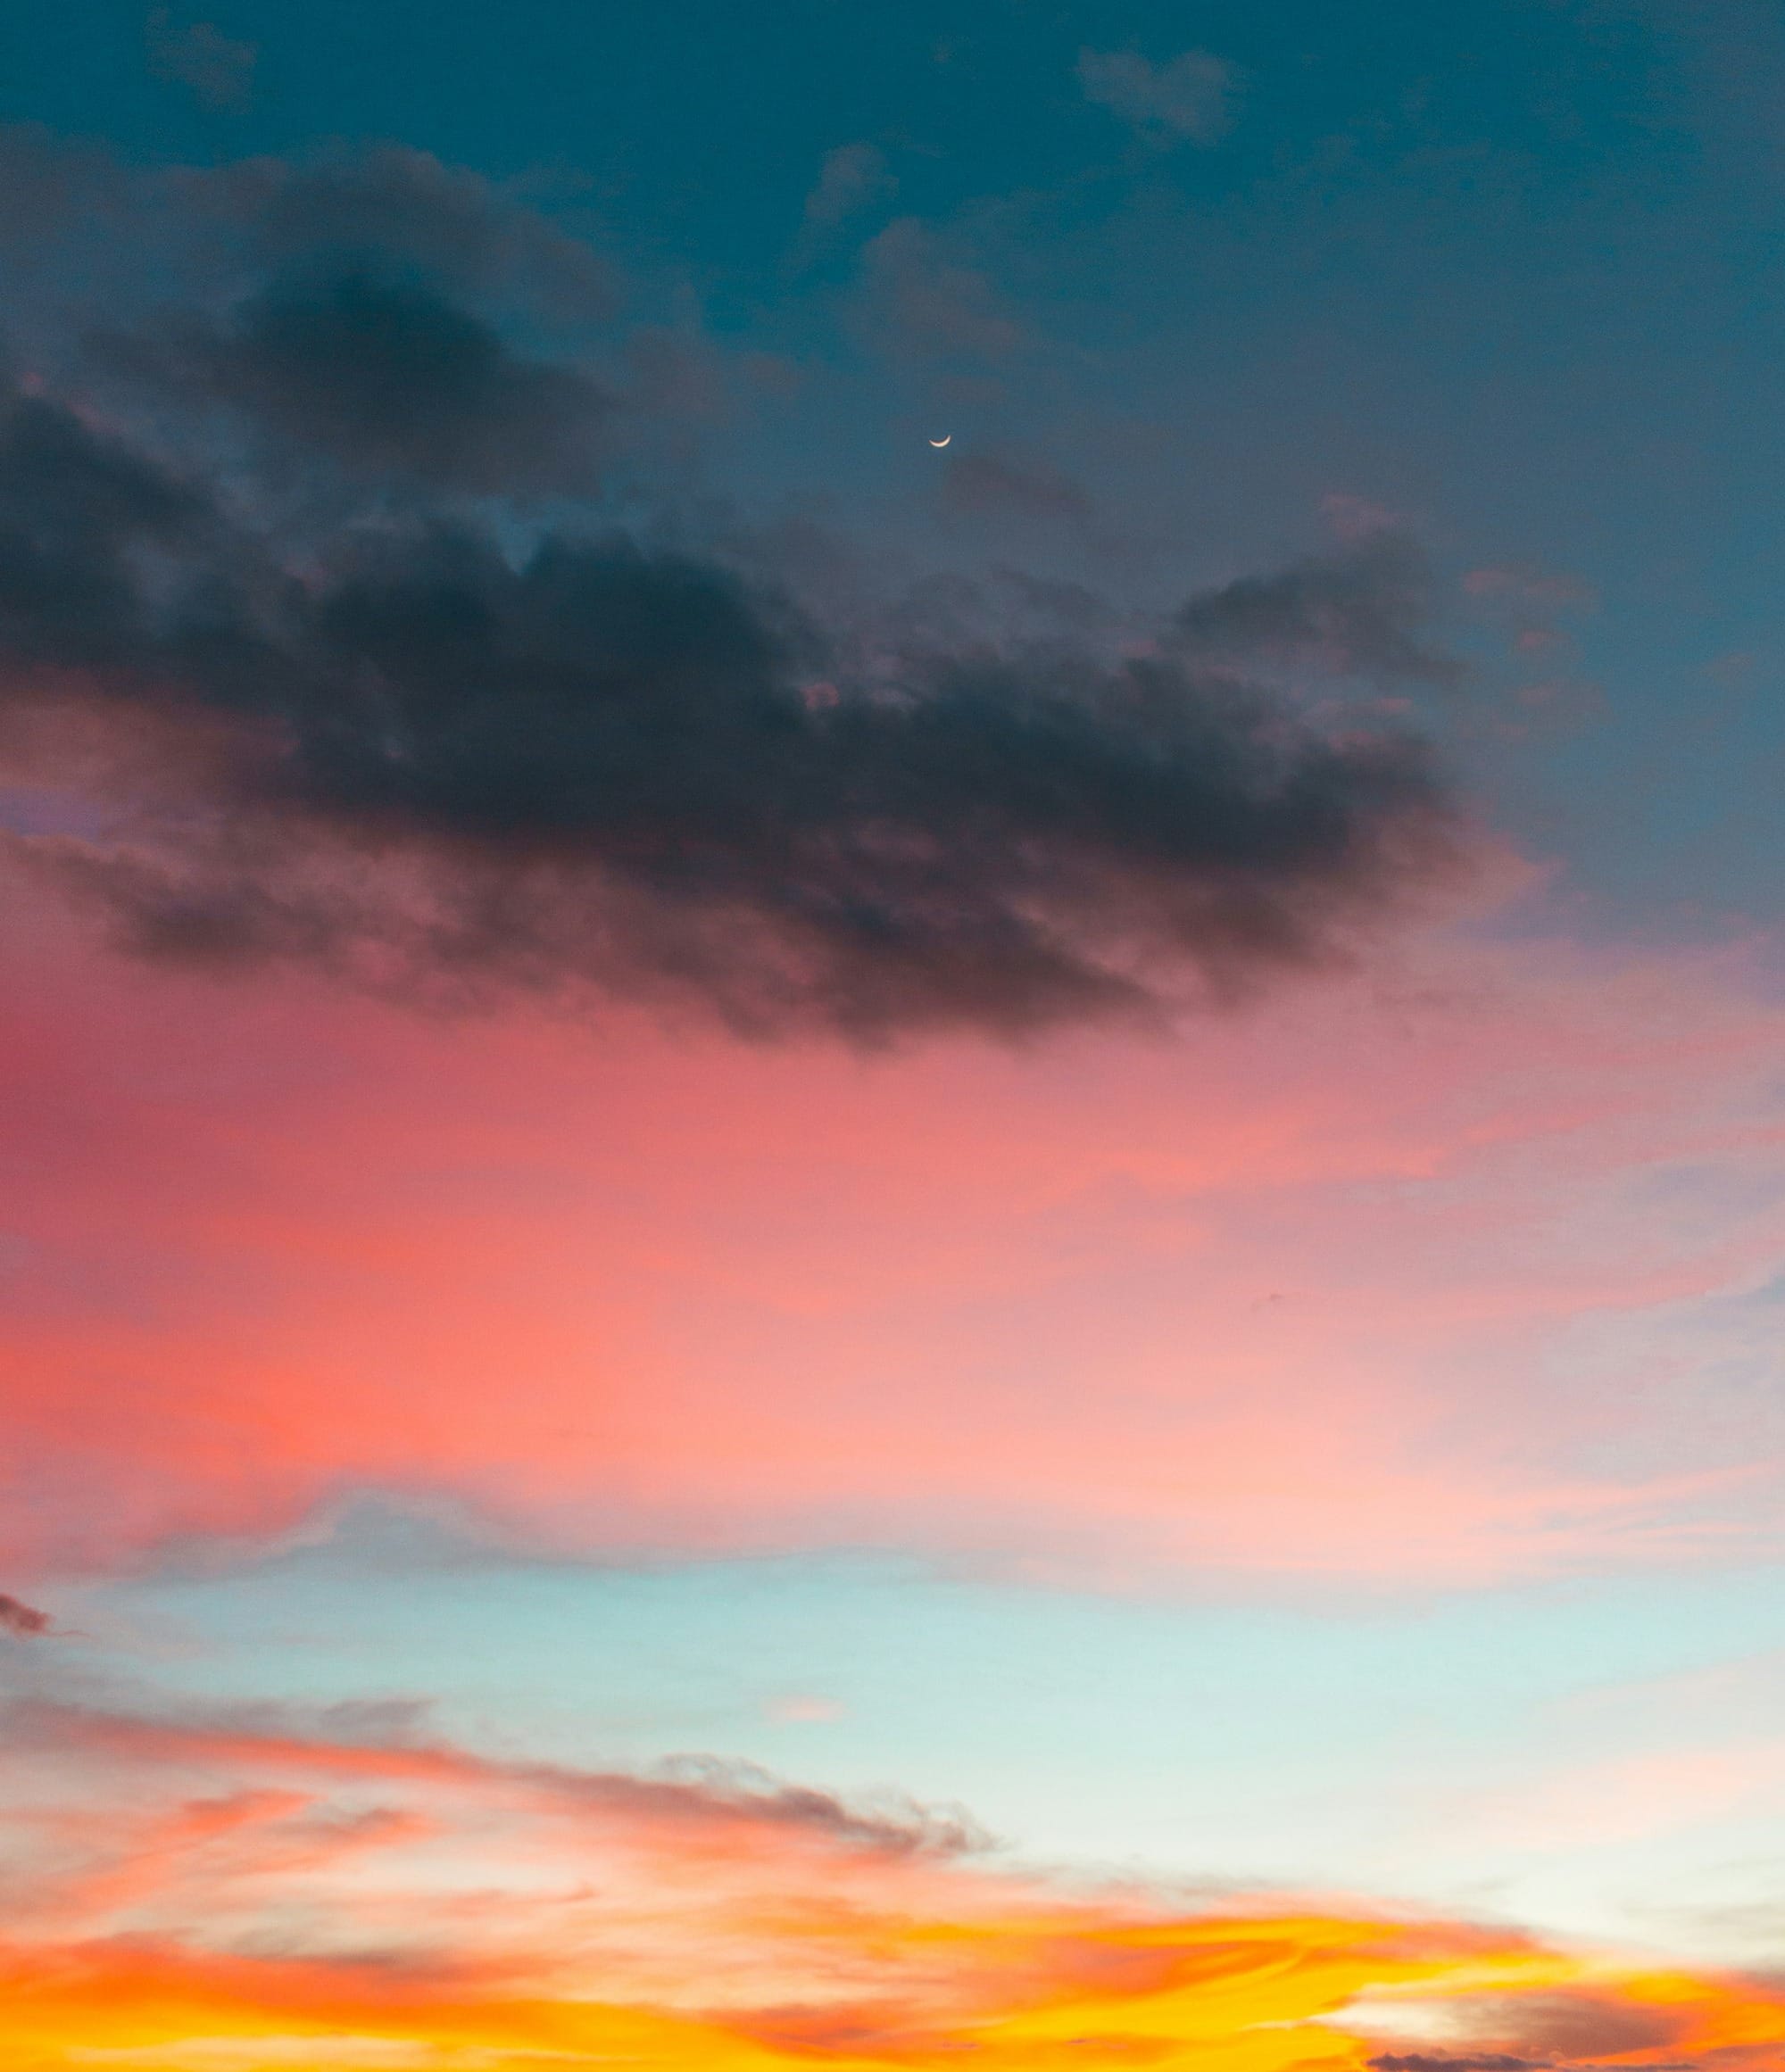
[320, 552]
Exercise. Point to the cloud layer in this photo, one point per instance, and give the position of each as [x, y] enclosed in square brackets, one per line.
[1411, 1286]
[267, 1887]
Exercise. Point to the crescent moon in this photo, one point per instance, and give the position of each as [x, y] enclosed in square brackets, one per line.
[943, 440]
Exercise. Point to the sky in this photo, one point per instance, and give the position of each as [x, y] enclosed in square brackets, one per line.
[890, 1094]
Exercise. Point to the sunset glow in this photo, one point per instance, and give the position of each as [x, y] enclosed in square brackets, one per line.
[892, 1125]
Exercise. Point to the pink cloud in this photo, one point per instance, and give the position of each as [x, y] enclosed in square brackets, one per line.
[1336, 1290]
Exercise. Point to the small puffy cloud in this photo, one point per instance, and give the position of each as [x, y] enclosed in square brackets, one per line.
[1355, 613]
[923, 300]
[383, 377]
[1187, 100]
[218, 69]
[1357, 517]
[1429, 2061]
[1527, 587]
[852, 176]
[403, 213]
[21, 1620]
[1564, 2030]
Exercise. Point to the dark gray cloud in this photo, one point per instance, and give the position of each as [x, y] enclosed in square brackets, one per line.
[1545, 2032]
[1357, 613]
[590, 763]
[355, 313]
[387, 380]
[417, 736]
[165, 254]
[393, 206]
[980, 483]
[1580, 2024]
[1431, 2061]
[1499, 2061]
[22, 1621]
[80, 512]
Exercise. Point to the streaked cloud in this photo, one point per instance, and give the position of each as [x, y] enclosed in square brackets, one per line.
[195, 1892]
[1464, 1188]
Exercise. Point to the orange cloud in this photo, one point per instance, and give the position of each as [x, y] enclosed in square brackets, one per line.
[186, 1898]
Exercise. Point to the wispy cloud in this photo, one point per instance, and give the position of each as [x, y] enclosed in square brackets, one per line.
[1187, 100]
[218, 69]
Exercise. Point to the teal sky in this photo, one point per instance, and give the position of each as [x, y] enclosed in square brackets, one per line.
[1330, 1443]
